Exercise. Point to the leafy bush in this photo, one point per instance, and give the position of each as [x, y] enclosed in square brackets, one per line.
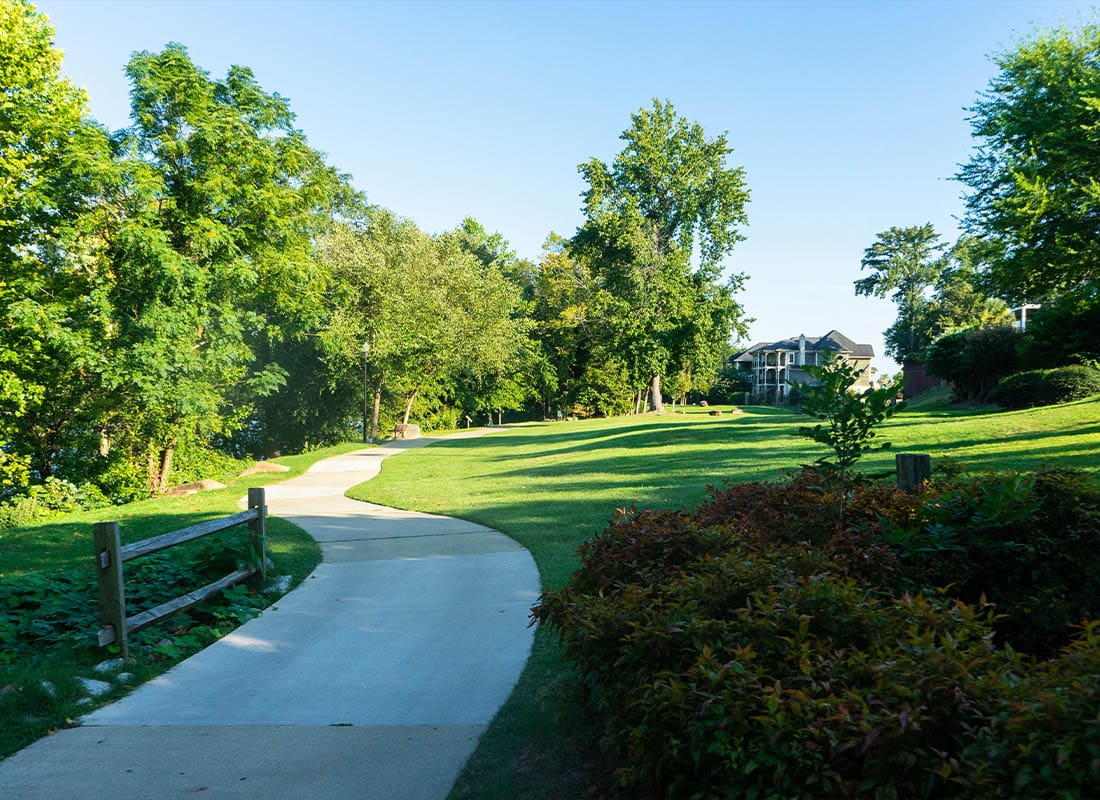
[973, 361]
[730, 388]
[852, 417]
[55, 496]
[14, 473]
[764, 647]
[1044, 387]
[1045, 739]
[766, 675]
[1028, 544]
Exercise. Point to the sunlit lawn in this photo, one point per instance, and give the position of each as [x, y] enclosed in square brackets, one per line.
[553, 485]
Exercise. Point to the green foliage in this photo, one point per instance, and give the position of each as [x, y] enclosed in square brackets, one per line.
[53, 164]
[430, 311]
[852, 415]
[905, 261]
[975, 360]
[1044, 741]
[957, 303]
[1044, 387]
[1064, 331]
[51, 497]
[667, 195]
[44, 612]
[730, 387]
[756, 649]
[224, 196]
[1028, 544]
[1032, 175]
[148, 279]
[14, 473]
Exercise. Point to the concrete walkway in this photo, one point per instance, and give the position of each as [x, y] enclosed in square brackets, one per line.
[373, 680]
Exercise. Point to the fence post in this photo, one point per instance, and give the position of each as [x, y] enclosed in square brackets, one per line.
[112, 594]
[258, 532]
[913, 470]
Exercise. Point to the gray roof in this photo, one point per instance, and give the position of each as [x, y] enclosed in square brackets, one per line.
[834, 341]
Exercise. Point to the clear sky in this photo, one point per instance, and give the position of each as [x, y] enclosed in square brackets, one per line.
[849, 117]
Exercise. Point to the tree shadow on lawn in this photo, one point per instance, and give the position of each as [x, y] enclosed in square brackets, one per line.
[1087, 437]
[649, 434]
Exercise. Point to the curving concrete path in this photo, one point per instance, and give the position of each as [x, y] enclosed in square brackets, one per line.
[374, 679]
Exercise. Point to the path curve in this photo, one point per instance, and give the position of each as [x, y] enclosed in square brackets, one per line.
[372, 680]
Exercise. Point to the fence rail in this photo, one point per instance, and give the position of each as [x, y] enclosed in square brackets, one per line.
[111, 555]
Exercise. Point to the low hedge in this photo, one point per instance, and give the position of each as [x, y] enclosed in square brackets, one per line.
[1044, 387]
[780, 643]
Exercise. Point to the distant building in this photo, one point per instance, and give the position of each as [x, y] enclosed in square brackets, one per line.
[1020, 314]
[773, 366]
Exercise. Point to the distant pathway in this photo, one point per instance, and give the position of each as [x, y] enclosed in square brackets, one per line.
[373, 680]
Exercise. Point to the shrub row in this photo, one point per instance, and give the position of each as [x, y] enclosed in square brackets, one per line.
[780, 643]
[1044, 387]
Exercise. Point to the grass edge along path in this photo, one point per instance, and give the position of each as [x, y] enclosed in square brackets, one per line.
[552, 486]
[28, 710]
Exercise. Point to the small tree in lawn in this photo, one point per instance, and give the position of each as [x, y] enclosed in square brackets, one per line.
[848, 418]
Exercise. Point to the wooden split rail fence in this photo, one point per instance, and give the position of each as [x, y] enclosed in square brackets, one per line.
[110, 556]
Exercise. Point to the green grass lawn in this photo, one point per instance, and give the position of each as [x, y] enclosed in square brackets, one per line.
[36, 552]
[551, 486]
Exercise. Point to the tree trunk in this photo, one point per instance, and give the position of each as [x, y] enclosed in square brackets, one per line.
[151, 470]
[165, 467]
[158, 463]
[655, 391]
[408, 406]
[377, 405]
[500, 417]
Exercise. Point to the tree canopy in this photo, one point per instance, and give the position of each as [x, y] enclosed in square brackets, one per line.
[668, 195]
[1033, 176]
[203, 284]
[905, 262]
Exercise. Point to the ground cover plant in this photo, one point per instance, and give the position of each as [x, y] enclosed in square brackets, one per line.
[554, 486]
[48, 615]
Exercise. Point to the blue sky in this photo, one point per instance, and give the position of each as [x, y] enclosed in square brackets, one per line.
[849, 117]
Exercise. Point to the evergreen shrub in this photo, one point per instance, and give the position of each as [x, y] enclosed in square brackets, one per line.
[1044, 387]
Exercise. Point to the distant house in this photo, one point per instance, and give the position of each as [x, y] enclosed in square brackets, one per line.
[772, 366]
[1020, 314]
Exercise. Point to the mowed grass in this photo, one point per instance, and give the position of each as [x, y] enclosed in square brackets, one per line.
[552, 486]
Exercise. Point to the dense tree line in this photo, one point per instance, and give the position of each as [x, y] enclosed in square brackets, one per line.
[1031, 231]
[203, 284]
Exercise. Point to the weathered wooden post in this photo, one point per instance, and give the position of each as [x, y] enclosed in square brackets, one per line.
[913, 470]
[112, 593]
[258, 532]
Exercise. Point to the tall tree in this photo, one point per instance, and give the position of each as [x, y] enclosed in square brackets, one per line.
[426, 308]
[905, 263]
[1033, 175]
[54, 164]
[222, 201]
[958, 302]
[667, 196]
